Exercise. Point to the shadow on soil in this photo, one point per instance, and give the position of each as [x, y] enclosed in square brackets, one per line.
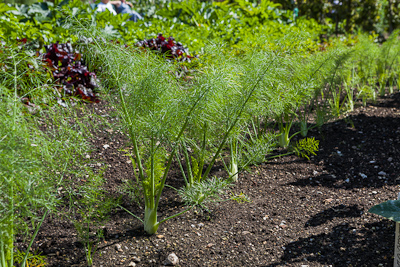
[344, 246]
[358, 152]
[339, 211]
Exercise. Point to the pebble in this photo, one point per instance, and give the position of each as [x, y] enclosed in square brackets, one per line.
[160, 236]
[390, 159]
[200, 225]
[363, 175]
[118, 247]
[132, 264]
[135, 259]
[245, 232]
[171, 260]
[382, 173]
[106, 146]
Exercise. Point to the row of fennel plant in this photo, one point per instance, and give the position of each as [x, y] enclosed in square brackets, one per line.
[196, 123]
[332, 82]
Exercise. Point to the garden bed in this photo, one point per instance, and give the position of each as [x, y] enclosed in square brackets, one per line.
[302, 212]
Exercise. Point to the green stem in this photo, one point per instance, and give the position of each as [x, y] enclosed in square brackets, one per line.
[281, 155]
[181, 167]
[233, 165]
[132, 136]
[2, 254]
[152, 181]
[202, 153]
[188, 165]
[33, 238]
[173, 216]
[150, 220]
[130, 213]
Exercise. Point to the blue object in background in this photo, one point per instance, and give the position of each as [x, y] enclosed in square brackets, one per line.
[126, 9]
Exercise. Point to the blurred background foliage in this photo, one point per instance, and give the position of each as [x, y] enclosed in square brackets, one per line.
[239, 23]
[367, 15]
[339, 17]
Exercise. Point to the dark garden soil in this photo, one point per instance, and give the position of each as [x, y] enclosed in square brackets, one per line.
[302, 212]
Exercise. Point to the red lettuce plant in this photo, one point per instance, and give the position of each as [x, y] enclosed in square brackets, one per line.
[169, 47]
[67, 68]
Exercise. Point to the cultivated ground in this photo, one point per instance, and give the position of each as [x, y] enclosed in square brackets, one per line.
[302, 212]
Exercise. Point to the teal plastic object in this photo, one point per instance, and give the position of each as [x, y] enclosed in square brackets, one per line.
[295, 13]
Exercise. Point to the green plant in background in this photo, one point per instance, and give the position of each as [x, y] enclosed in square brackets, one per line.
[386, 60]
[240, 23]
[366, 51]
[336, 102]
[313, 75]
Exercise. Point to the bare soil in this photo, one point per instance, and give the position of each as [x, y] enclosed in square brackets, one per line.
[302, 212]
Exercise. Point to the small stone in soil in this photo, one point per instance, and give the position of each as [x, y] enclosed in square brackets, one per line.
[118, 247]
[363, 175]
[135, 259]
[171, 260]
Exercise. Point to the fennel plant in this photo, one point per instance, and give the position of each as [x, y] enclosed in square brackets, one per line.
[25, 192]
[35, 154]
[155, 111]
